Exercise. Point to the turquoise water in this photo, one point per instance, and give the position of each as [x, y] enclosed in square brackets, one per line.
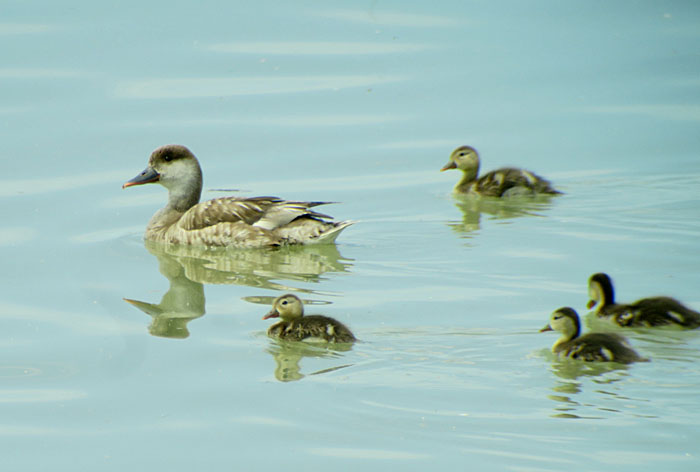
[359, 104]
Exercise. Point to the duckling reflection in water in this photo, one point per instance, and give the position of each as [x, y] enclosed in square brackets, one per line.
[504, 182]
[227, 221]
[294, 326]
[288, 355]
[601, 347]
[497, 209]
[653, 311]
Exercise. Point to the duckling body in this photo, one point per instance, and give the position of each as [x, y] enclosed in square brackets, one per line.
[294, 326]
[591, 347]
[648, 312]
[225, 221]
[504, 182]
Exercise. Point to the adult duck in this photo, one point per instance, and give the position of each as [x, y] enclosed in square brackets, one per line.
[225, 221]
[652, 311]
[504, 182]
[294, 326]
[601, 347]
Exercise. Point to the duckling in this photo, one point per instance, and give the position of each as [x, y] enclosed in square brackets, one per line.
[505, 182]
[653, 311]
[297, 327]
[225, 221]
[603, 347]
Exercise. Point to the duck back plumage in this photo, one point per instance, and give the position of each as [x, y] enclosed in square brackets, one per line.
[510, 181]
[652, 312]
[646, 312]
[312, 327]
[598, 347]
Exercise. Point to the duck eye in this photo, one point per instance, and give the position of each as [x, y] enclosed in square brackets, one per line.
[284, 302]
[167, 158]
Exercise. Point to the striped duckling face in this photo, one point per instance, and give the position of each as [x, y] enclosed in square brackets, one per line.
[287, 307]
[600, 291]
[565, 320]
[464, 158]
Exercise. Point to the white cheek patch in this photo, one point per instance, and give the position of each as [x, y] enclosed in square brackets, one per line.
[607, 354]
[678, 317]
[531, 179]
[625, 318]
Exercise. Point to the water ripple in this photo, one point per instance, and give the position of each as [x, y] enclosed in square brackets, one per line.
[231, 86]
[316, 47]
[42, 395]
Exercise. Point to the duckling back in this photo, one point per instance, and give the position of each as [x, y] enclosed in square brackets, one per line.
[655, 311]
[312, 328]
[512, 182]
[598, 347]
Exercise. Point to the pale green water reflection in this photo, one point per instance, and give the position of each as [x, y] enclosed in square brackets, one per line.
[497, 209]
[183, 302]
[250, 268]
[189, 268]
[288, 357]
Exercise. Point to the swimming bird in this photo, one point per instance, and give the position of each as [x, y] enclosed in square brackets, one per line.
[652, 311]
[225, 221]
[505, 182]
[602, 347]
[294, 326]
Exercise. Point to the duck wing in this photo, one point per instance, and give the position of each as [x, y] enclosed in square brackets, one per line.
[312, 328]
[498, 182]
[247, 222]
[262, 212]
[328, 329]
[600, 347]
[659, 311]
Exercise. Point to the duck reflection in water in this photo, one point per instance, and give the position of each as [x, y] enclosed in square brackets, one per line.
[575, 378]
[288, 355]
[572, 379]
[182, 303]
[297, 336]
[604, 357]
[504, 193]
[472, 208]
[188, 268]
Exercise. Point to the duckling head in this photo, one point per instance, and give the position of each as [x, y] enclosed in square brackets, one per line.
[600, 290]
[288, 307]
[175, 168]
[566, 321]
[466, 159]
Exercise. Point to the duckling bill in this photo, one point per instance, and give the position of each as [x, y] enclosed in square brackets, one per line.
[648, 312]
[591, 347]
[225, 221]
[504, 182]
[294, 326]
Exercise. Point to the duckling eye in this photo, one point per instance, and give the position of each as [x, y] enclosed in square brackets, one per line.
[167, 158]
[284, 302]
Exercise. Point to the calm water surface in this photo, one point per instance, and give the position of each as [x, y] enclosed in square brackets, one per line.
[359, 104]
